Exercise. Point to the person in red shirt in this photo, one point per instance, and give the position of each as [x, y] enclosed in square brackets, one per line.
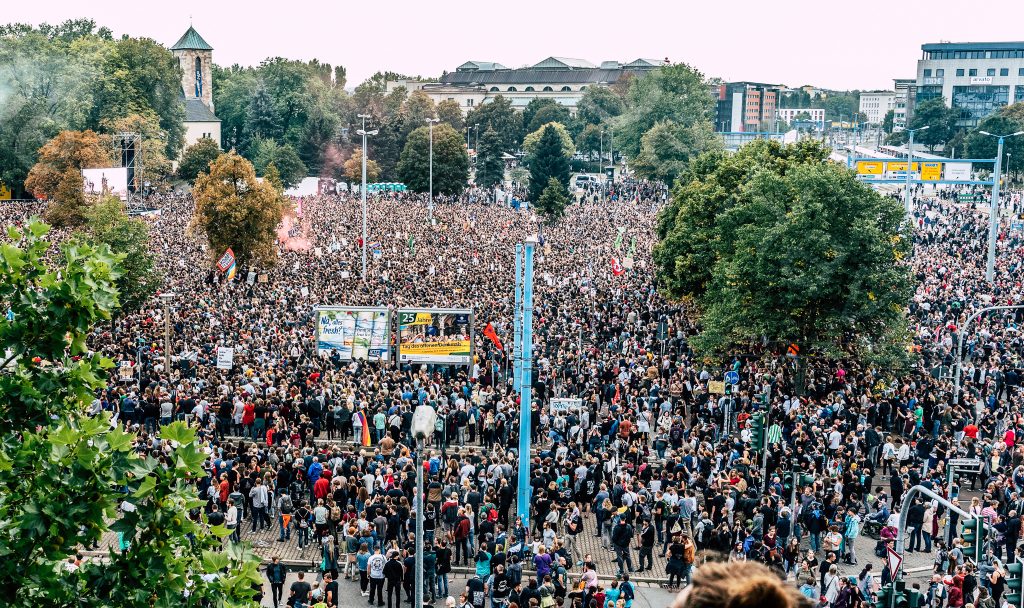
[971, 430]
[321, 487]
[225, 489]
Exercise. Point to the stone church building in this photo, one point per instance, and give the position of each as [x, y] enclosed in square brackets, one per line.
[195, 56]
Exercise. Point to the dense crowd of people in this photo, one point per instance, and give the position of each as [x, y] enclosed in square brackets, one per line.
[650, 463]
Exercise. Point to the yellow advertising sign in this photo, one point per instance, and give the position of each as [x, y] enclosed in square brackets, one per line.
[870, 167]
[901, 166]
[716, 387]
[5, 192]
[931, 171]
[445, 347]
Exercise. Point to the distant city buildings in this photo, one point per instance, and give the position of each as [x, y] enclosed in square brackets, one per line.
[793, 115]
[976, 78]
[745, 107]
[561, 79]
[876, 104]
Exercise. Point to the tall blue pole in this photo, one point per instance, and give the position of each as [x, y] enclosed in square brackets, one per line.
[525, 394]
[993, 217]
[517, 350]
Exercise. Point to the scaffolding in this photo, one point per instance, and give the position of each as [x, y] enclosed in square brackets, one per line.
[127, 148]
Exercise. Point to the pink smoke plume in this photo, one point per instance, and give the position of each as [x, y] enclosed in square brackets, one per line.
[292, 235]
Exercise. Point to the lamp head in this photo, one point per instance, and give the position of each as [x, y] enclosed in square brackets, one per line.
[986, 133]
[423, 420]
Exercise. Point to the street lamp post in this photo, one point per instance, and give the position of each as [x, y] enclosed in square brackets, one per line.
[166, 298]
[430, 205]
[910, 162]
[476, 134]
[423, 420]
[362, 190]
[993, 214]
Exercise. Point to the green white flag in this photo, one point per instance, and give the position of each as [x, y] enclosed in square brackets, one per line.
[618, 238]
[412, 245]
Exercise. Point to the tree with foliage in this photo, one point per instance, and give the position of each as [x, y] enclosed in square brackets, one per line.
[548, 161]
[667, 149]
[449, 111]
[451, 161]
[140, 75]
[677, 94]
[235, 210]
[553, 200]
[197, 159]
[532, 140]
[503, 118]
[107, 223]
[541, 111]
[416, 109]
[236, 87]
[940, 120]
[589, 140]
[842, 105]
[490, 166]
[64, 473]
[598, 105]
[887, 122]
[267, 151]
[776, 243]
[261, 120]
[985, 146]
[74, 150]
[354, 168]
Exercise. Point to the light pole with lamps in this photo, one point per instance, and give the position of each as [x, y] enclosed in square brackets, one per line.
[166, 298]
[423, 420]
[910, 163]
[993, 214]
[430, 205]
[362, 190]
[476, 136]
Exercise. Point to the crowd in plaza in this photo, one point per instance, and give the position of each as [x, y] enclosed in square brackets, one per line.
[646, 465]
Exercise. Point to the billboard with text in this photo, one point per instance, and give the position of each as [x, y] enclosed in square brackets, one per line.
[354, 332]
[435, 335]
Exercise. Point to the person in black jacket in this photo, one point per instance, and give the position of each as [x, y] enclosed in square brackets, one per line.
[443, 557]
[393, 573]
[276, 574]
[647, 537]
[915, 522]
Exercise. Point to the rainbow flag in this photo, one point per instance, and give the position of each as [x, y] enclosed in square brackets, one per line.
[365, 438]
[232, 271]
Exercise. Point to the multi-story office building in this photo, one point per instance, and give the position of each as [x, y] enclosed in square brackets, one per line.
[745, 107]
[789, 115]
[562, 79]
[976, 78]
[905, 89]
[876, 104]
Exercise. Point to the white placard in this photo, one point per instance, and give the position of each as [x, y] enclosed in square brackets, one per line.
[225, 357]
[125, 371]
[564, 406]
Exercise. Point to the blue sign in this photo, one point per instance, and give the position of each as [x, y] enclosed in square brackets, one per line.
[732, 377]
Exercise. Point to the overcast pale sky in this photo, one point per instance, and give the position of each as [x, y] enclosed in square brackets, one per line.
[843, 45]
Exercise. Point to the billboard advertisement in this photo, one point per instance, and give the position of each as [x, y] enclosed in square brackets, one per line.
[108, 180]
[355, 332]
[435, 335]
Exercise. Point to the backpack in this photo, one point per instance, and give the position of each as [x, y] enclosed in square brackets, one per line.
[286, 504]
[626, 589]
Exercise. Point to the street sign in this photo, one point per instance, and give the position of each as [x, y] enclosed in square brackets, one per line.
[1017, 226]
[732, 377]
[716, 388]
[895, 561]
[965, 463]
[662, 330]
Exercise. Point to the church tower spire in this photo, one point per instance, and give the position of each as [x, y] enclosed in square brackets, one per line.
[195, 56]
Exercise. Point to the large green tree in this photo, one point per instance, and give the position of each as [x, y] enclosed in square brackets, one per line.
[531, 141]
[490, 166]
[266, 152]
[503, 118]
[775, 243]
[65, 475]
[667, 149]
[449, 111]
[985, 146]
[197, 159]
[548, 160]
[939, 118]
[451, 162]
[676, 94]
[237, 211]
[553, 200]
[599, 105]
[107, 223]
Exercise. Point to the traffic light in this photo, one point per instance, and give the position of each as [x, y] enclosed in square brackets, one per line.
[973, 537]
[757, 434]
[1014, 576]
[787, 484]
[884, 597]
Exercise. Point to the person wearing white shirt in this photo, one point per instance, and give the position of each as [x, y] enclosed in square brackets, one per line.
[231, 521]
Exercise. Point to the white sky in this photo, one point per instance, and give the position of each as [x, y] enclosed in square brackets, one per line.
[831, 44]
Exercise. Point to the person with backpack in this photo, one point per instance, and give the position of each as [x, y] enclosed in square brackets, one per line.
[626, 591]
[284, 515]
[622, 536]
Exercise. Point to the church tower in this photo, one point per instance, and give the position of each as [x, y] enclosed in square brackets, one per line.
[195, 56]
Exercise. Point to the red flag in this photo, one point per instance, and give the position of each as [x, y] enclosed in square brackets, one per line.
[492, 335]
[617, 267]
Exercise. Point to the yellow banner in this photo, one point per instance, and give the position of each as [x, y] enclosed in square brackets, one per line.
[931, 171]
[445, 347]
[870, 167]
[901, 165]
[5, 192]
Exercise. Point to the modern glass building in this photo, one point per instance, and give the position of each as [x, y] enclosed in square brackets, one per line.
[976, 78]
